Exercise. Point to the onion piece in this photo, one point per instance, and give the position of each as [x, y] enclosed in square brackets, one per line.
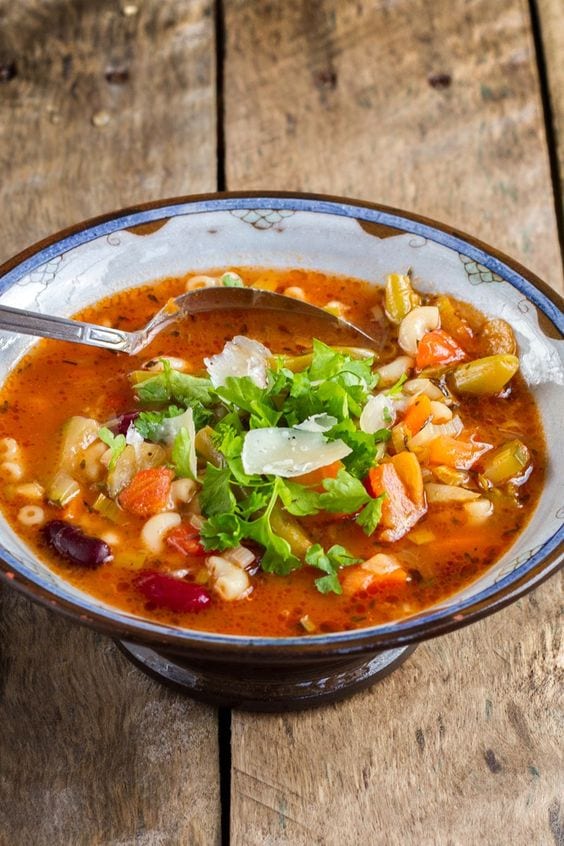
[378, 413]
[448, 493]
[431, 431]
[240, 357]
[289, 452]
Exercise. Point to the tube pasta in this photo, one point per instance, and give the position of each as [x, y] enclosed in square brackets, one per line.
[201, 281]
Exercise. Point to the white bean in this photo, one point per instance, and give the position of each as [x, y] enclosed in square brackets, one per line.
[423, 386]
[11, 470]
[93, 467]
[156, 528]
[441, 412]
[390, 373]
[182, 491]
[31, 515]
[9, 449]
[294, 292]
[229, 581]
[201, 281]
[479, 510]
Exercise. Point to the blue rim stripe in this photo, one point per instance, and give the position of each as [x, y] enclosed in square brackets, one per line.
[453, 242]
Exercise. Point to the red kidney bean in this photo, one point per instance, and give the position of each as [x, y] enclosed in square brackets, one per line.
[123, 422]
[71, 543]
[172, 593]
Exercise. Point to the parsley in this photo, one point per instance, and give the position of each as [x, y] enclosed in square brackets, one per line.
[298, 500]
[116, 443]
[329, 562]
[148, 423]
[371, 514]
[174, 386]
[241, 392]
[216, 496]
[343, 495]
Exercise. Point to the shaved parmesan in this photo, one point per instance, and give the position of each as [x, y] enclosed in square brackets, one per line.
[317, 423]
[289, 452]
[240, 357]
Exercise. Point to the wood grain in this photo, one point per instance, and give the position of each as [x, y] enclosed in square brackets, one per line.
[434, 107]
[100, 109]
[551, 14]
[430, 106]
[91, 751]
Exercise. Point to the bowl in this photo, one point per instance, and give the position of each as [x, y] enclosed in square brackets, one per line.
[78, 266]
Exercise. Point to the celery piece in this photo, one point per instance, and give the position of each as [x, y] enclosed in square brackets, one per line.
[286, 527]
[505, 462]
[400, 297]
[108, 508]
[62, 489]
[485, 376]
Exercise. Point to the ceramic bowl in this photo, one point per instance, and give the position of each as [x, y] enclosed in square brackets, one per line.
[132, 247]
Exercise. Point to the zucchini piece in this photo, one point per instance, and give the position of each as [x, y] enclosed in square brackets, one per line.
[63, 489]
[400, 297]
[78, 434]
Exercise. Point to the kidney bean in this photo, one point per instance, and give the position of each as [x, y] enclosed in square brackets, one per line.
[123, 422]
[172, 593]
[71, 543]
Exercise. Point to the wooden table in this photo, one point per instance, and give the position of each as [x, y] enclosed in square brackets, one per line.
[451, 109]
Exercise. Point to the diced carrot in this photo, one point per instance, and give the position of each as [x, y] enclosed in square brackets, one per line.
[409, 470]
[418, 413]
[399, 512]
[452, 452]
[377, 573]
[148, 491]
[437, 348]
[315, 477]
[186, 540]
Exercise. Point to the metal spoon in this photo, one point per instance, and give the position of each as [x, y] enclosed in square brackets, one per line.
[201, 300]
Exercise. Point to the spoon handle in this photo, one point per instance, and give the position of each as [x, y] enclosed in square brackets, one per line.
[62, 329]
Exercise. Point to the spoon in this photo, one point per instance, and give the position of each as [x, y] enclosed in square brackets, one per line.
[201, 300]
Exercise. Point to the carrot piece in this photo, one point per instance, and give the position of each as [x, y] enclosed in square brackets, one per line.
[461, 455]
[409, 470]
[316, 477]
[148, 491]
[399, 512]
[379, 572]
[418, 413]
[437, 348]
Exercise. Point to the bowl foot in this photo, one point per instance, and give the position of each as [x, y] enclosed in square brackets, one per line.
[272, 688]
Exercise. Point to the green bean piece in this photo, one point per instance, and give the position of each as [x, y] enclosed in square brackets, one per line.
[400, 297]
[485, 376]
[506, 462]
[284, 525]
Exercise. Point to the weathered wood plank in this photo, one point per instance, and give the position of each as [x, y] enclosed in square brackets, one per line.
[101, 109]
[551, 14]
[434, 107]
[430, 106]
[92, 751]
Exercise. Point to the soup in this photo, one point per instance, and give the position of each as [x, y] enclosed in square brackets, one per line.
[254, 474]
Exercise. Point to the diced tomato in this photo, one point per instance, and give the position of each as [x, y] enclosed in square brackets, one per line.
[186, 540]
[437, 348]
[172, 593]
[399, 512]
[418, 413]
[461, 455]
[315, 477]
[148, 492]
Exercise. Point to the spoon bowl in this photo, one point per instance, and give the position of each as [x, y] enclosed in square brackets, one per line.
[194, 302]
